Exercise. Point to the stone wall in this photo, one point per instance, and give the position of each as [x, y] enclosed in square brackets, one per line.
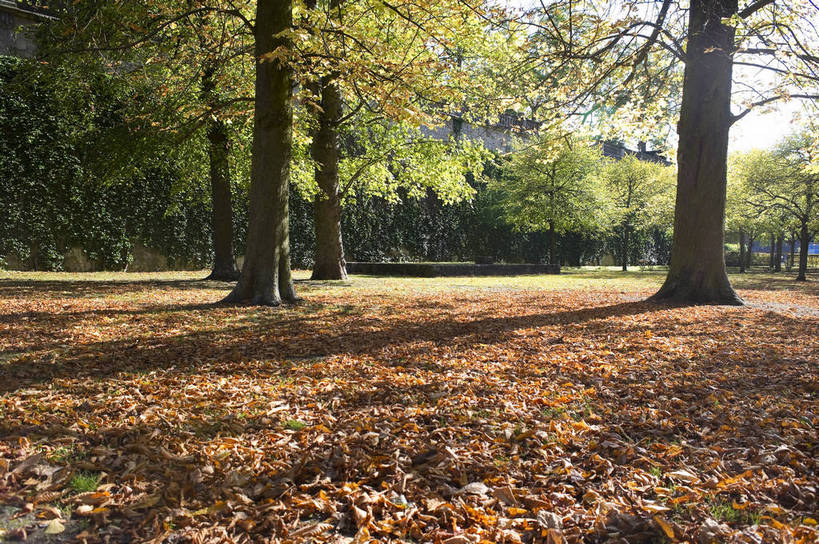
[146, 259]
[14, 24]
[434, 270]
[497, 137]
[77, 261]
[143, 259]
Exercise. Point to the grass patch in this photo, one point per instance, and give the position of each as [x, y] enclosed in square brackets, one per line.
[83, 482]
[294, 425]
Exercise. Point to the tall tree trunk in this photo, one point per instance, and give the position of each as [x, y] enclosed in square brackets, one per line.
[780, 239]
[625, 246]
[224, 265]
[329, 254]
[552, 243]
[792, 251]
[749, 255]
[265, 277]
[741, 251]
[697, 272]
[804, 243]
[772, 253]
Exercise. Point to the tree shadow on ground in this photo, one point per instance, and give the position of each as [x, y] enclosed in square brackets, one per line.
[13, 289]
[277, 337]
[766, 281]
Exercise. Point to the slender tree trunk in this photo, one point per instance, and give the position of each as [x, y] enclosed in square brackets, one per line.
[749, 255]
[804, 243]
[792, 252]
[265, 277]
[329, 254]
[697, 272]
[780, 239]
[224, 265]
[741, 251]
[625, 246]
[552, 243]
[772, 252]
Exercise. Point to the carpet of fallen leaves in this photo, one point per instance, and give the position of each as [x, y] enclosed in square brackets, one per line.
[445, 411]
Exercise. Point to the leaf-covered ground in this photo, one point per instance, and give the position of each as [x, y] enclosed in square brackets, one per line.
[456, 411]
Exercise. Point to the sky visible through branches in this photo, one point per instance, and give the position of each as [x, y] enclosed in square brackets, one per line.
[760, 129]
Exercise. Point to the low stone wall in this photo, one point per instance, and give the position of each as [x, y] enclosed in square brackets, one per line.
[146, 259]
[433, 270]
[77, 261]
[142, 259]
[15, 39]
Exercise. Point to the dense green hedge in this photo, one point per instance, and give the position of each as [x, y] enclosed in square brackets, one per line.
[53, 149]
[69, 177]
[427, 230]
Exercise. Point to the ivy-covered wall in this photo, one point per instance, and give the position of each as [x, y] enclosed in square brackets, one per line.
[52, 198]
[73, 196]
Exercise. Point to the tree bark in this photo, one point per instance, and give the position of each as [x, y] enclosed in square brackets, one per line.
[697, 273]
[772, 253]
[625, 246]
[749, 255]
[804, 243]
[329, 253]
[741, 251]
[792, 252]
[780, 239]
[224, 265]
[552, 243]
[266, 277]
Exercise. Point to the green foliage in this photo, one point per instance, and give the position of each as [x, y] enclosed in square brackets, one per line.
[83, 482]
[638, 192]
[391, 160]
[294, 425]
[58, 187]
[548, 184]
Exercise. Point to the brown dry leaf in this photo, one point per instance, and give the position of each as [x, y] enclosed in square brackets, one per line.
[362, 410]
[665, 526]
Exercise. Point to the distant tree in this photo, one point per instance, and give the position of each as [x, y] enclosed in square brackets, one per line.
[372, 63]
[189, 62]
[631, 185]
[378, 157]
[741, 217]
[625, 58]
[547, 186]
[786, 180]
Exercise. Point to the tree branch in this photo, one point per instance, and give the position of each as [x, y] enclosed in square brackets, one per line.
[753, 8]
[737, 117]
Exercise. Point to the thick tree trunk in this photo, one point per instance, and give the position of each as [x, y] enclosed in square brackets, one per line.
[749, 255]
[804, 243]
[741, 251]
[697, 272]
[780, 239]
[224, 265]
[552, 243]
[265, 277]
[329, 254]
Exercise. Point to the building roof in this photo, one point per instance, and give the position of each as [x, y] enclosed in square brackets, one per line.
[32, 9]
[616, 150]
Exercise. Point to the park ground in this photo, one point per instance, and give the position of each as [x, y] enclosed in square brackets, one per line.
[457, 410]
